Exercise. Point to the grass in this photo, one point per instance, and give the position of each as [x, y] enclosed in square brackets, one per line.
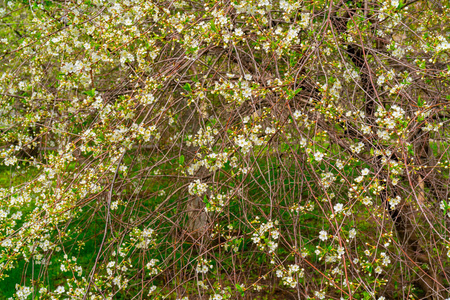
[282, 185]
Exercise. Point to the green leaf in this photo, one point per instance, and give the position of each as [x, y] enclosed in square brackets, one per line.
[401, 5]
[187, 87]
[90, 93]
[213, 26]
[240, 289]
[420, 102]
[411, 150]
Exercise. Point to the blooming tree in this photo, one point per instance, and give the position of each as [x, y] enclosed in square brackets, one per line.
[224, 149]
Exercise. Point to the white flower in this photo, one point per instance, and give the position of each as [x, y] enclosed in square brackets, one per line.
[352, 233]
[383, 134]
[202, 266]
[339, 164]
[366, 129]
[152, 263]
[60, 289]
[279, 273]
[393, 202]
[386, 259]
[357, 147]
[270, 130]
[197, 188]
[395, 180]
[152, 289]
[3, 214]
[297, 114]
[338, 208]
[328, 179]
[318, 156]
[320, 295]
[22, 293]
[114, 205]
[147, 99]
[239, 32]
[294, 268]
[216, 297]
[365, 172]
[323, 235]
[366, 201]
[305, 20]
[359, 179]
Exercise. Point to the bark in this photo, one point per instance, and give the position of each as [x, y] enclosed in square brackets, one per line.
[197, 218]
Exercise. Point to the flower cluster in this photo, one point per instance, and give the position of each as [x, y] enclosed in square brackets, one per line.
[197, 188]
[327, 179]
[203, 266]
[389, 121]
[204, 137]
[288, 277]
[216, 203]
[143, 238]
[152, 266]
[266, 236]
